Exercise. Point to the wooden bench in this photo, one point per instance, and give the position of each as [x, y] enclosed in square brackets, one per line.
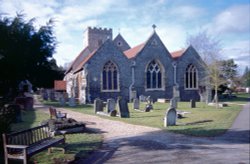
[56, 114]
[24, 144]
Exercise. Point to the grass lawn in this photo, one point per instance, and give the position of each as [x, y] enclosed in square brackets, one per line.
[212, 121]
[78, 145]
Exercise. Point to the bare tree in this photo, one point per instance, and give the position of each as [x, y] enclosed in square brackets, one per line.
[209, 48]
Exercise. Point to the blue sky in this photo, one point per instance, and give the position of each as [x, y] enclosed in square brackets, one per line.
[227, 20]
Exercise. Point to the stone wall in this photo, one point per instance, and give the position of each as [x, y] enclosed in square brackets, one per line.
[154, 51]
[108, 52]
[190, 56]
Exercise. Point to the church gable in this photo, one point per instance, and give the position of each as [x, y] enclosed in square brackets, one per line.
[108, 51]
[191, 73]
[121, 43]
[108, 72]
[190, 56]
[153, 45]
[153, 68]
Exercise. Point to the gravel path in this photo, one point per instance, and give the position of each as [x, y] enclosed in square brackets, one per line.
[130, 144]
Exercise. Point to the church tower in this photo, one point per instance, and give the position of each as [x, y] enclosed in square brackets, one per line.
[95, 37]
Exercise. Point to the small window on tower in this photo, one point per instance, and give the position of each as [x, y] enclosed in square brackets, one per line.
[119, 44]
[154, 42]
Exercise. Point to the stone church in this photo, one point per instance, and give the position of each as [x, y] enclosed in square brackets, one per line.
[109, 68]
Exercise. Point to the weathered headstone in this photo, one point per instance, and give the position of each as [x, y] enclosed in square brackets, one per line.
[29, 102]
[149, 100]
[176, 92]
[98, 105]
[136, 104]
[170, 117]
[110, 105]
[52, 95]
[45, 95]
[61, 99]
[148, 108]
[192, 103]
[142, 98]
[123, 108]
[72, 102]
[173, 103]
[113, 113]
[133, 95]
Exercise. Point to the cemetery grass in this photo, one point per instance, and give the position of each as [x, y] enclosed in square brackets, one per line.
[202, 121]
[78, 145]
[241, 98]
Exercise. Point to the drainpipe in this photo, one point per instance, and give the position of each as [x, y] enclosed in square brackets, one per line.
[133, 80]
[174, 65]
[176, 86]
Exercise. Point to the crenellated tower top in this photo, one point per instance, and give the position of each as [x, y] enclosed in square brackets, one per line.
[94, 37]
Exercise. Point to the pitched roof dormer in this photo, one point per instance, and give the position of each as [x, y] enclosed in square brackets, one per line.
[121, 43]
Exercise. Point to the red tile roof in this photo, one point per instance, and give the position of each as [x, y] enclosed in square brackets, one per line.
[80, 65]
[178, 53]
[60, 85]
[75, 63]
[134, 51]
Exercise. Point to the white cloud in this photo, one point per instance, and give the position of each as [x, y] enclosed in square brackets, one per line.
[134, 19]
[233, 19]
[173, 36]
[186, 12]
[239, 51]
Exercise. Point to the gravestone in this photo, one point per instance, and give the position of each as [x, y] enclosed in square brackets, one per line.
[149, 100]
[170, 117]
[72, 102]
[142, 98]
[98, 105]
[45, 95]
[61, 99]
[176, 93]
[148, 108]
[52, 95]
[133, 95]
[110, 105]
[136, 104]
[113, 113]
[192, 103]
[29, 102]
[173, 103]
[123, 108]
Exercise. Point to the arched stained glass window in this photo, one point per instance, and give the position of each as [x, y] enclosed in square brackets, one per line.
[154, 76]
[110, 77]
[191, 77]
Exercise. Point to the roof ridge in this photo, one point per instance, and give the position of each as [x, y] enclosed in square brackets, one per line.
[132, 52]
[178, 53]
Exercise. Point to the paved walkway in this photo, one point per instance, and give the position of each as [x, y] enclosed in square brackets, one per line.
[126, 143]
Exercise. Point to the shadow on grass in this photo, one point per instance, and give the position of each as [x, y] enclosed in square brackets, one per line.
[236, 99]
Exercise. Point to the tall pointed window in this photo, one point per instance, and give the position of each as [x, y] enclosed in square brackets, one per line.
[154, 76]
[110, 77]
[191, 77]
